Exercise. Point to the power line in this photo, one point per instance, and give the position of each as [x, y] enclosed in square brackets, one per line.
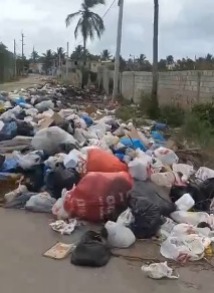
[109, 8]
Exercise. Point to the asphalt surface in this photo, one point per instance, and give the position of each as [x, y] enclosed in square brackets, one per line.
[25, 237]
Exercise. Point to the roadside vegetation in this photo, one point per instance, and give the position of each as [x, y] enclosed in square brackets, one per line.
[195, 126]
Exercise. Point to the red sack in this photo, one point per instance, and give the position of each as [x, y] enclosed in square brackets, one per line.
[102, 161]
[97, 195]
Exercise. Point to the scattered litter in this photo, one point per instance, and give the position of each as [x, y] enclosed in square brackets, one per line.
[59, 250]
[159, 271]
[64, 228]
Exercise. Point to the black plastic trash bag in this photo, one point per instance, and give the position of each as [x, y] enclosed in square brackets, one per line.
[202, 193]
[24, 128]
[147, 218]
[91, 251]
[60, 178]
[146, 190]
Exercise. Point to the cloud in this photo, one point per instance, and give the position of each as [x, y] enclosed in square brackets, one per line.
[186, 26]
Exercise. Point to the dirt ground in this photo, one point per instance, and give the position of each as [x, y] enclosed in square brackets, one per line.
[25, 237]
[26, 82]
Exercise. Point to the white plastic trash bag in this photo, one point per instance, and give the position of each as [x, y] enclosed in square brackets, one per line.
[40, 203]
[167, 156]
[50, 139]
[119, 236]
[167, 228]
[191, 218]
[29, 160]
[159, 271]
[126, 218]
[189, 247]
[184, 169]
[138, 169]
[204, 173]
[58, 209]
[156, 165]
[166, 179]
[44, 105]
[73, 158]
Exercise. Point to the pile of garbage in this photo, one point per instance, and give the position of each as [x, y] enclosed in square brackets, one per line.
[63, 154]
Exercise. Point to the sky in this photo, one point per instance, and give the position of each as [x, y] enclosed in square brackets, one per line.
[186, 26]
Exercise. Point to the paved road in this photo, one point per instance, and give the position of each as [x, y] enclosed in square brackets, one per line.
[24, 237]
[26, 82]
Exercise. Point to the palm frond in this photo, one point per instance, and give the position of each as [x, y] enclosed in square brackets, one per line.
[70, 17]
[78, 28]
[92, 3]
[97, 24]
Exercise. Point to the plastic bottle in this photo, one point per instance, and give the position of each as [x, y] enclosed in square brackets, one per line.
[185, 203]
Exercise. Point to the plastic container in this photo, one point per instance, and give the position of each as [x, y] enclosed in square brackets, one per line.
[185, 203]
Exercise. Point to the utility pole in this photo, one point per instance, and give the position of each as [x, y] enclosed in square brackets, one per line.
[67, 60]
[155, 60]
[14, 52]
[118, 49]
[22, 40]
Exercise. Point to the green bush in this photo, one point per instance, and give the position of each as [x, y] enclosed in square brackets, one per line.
[204, 112]
[197, 130]
[171, 115]
[125, 112]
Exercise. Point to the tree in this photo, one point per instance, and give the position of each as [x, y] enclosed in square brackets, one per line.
[78, 53]
[60, 55]
[170, 60]
[155, 106]
[209, 58]
[162, 65]
[34, 56]
[89, 23]
[105, 55]
[142, 58]
[48, 59]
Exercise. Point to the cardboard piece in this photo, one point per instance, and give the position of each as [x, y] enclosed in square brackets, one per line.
[90, 110]
[47, 122]
[59, 250]
[134, 133]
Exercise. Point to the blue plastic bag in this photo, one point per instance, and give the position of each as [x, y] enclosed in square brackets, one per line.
[20, 101]
[88, 120]
[9, 131]
[158, 137]
[160, 126]
[133, 143]
[10, 165]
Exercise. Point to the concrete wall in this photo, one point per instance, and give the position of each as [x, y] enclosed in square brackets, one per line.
[183, 88]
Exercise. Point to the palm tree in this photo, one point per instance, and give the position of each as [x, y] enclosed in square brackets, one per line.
[89, 23]
[142, 58]
[34, 56]
[48, 59]
[170, 60]
[60, 56]
[105, 55]
[155, 105]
